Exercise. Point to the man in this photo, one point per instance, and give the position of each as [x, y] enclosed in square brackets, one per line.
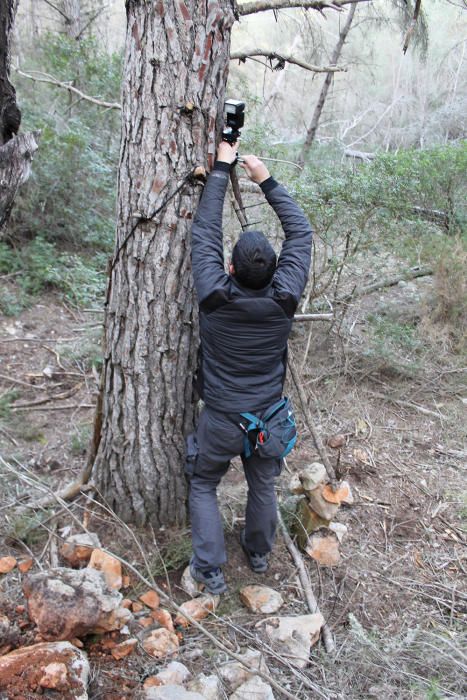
[245, 321]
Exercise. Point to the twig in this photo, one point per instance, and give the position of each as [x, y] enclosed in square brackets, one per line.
[313, 317]
[21, 383]
[309, 421]
[67, 86]
[312, 603]
[40, 402]
[282, 59]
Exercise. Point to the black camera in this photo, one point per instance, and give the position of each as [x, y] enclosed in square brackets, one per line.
[234, 116]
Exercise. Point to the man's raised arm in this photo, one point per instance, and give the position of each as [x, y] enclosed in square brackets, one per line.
[207, 251]
[293, 266]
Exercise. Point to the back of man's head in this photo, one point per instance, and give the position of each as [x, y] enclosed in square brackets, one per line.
[254, 260]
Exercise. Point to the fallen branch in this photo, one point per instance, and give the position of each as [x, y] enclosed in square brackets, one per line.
[40, 77]
[40, 402]
[312, 603]
[55, 408]
[386, 282]
[408, 404]
[313, 317]
[309, 421]
[359, 155]
[282, 59]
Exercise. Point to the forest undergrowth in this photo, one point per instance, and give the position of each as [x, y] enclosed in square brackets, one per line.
[391, 379]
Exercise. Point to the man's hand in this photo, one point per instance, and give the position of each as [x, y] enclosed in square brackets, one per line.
[227, 153]
[255, 169]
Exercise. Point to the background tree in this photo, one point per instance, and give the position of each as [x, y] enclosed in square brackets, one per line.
[16, 151]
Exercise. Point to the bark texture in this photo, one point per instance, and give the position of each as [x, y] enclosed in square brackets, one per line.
[10, 116]
[72, 12]
[16, 151]
[176, 66]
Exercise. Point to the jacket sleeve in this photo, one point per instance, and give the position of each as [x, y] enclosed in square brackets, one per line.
[293, 266]
[207, 252]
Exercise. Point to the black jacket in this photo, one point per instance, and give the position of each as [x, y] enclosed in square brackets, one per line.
[244, 332]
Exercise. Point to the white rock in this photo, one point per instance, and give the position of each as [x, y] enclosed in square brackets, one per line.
[207, 686]
[312, 476]
[174, 674]
[339, 529]
[253, 689]
[261, 599]
[189, 585]
[234, 674]
[59, 663]
[293, 636]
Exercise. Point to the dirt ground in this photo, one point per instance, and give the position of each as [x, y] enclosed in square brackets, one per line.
[396, 603]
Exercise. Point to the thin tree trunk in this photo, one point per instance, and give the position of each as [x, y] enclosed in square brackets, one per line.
[313, 128]
[72, 10]
[16, 151]
[176, 66]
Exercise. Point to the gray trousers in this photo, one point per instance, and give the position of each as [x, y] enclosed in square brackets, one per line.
[217, 440]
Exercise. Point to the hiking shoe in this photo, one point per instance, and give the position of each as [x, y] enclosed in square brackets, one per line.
[212, 578]
[258, 562]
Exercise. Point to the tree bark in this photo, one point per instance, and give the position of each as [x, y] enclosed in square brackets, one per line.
[176, 67]
[72, 12]
[313, 128]
[16, 151]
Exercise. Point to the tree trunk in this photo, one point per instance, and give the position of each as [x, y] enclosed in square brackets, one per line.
[72, 11]
[176, 66]
[313, 128]
[16, 152]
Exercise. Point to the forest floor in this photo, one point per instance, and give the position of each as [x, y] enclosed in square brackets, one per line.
[397, 601]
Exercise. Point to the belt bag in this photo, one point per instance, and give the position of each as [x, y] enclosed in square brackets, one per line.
[272, 435]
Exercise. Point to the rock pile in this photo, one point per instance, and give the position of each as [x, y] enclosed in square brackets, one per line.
[315, 531]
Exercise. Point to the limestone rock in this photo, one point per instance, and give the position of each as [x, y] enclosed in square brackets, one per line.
[261, 599]
[319, 504]
[207, 686]
[55, 676]
[77, 549]
[58, 666]
[67, 603]
[174, 674]
[109, 566]
[339, 529]
[234, 674]
[171, 692]
[124, 648]
[295, 485]
[323, 547]
[189, 585]
[151, 599]
[7, 564]
[312, 475]
[306, 522]
[337, 496]
[293, 636]
[253, 688]
[197, 608]
[161, 643]
[25, 564]
[164, 618]
[336, 441]
[349, 499]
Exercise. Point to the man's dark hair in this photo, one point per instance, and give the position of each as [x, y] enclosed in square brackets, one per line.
[254, 260]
